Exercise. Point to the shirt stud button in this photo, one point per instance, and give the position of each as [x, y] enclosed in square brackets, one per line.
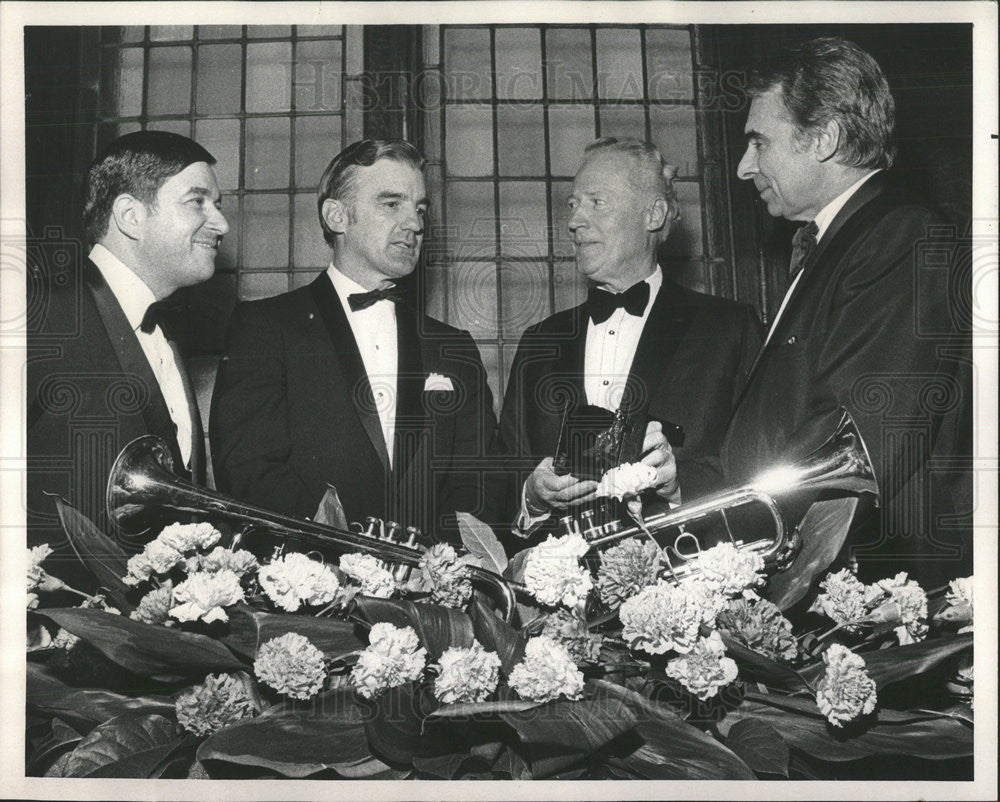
[605, 382]
[611, 332]
[792, 340]
[311, 315]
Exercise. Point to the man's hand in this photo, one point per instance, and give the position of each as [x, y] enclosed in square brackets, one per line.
[657, 453]
[545, 491]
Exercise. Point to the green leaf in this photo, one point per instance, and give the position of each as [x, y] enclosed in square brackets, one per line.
[331, 510]
[760, 745]
[822, 531]
[145, 649]
[515, 568]
[249, 628]
[471, 709]
[927, 735]
[99, 554]
[497, 636]
[480, 541]
[672, 749]
[395, 729]
[450, 766]
[131, 745]
[61, 740]
[437, 627]
[85, 707]
[580, 726]
[300, 739]
[759, 667]
[896, 663]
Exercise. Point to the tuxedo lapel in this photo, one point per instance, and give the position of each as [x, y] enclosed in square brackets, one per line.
[411, 419]
[352, 366]
[665, 327]
[197, 432]
[132, 358]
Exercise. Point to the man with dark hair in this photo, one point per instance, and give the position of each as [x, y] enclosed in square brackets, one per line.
[101, 369]
[342, 382]
[670, 355]
[865, 324]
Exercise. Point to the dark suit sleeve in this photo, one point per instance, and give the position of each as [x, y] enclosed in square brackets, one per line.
[248, 427]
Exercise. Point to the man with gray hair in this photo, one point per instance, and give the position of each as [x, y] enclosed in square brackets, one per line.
[865, 324]
[675, 356]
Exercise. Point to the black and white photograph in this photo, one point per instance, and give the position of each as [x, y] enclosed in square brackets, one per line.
[498, 400]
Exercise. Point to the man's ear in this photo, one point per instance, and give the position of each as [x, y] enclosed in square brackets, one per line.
[127, 215]
[657, 214]
[335, 215]
[826, 140]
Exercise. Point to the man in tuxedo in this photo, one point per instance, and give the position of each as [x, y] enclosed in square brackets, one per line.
[676, 356]
[101, 368]
[343, 382]
[866, 323]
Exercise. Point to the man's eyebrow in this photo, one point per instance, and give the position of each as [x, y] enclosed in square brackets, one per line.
[203, 192]
[752, 134]
[384, 196]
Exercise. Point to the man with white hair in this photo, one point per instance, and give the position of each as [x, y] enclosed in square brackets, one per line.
[677, 356]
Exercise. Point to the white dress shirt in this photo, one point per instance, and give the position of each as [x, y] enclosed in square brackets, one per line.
[374, 331]
[823, 219]
[134, 297]
[610, 349]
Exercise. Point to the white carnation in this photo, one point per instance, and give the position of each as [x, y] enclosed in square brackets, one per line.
[203, 596]
[373, 578]
[666, 616]
[547, 672]
[466, 675]
[394, 657]
[705, 668]
[295, 579]
[553, 574]
[729, 570]
[627, 480]
[845, 691]
[187, 537]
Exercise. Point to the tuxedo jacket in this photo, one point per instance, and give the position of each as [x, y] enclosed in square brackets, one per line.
[90, 391]
[690, 362]
[870, 328]
[292, 413]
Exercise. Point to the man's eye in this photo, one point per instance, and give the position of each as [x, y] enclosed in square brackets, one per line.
[598, 202]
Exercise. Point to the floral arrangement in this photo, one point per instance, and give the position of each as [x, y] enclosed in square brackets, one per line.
[198, 660]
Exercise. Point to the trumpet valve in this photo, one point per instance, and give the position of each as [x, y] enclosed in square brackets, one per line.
[391, 530]
[370, 523]
[414, 536]
[570, 524]
[590, 530]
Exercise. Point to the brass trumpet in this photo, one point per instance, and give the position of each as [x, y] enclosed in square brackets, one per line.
[841, 462]
[143, 477]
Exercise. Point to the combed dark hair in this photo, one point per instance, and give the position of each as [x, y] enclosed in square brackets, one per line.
[833, 79]
[339, 178]
[135, 164]
[650, 172]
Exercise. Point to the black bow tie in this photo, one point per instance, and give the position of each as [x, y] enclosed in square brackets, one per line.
[362, 300]
[601, 304]
[158, 313]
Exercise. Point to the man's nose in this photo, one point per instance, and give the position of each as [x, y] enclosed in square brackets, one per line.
[413, 221]
[748, 165]
[576, 219]
[217, 221]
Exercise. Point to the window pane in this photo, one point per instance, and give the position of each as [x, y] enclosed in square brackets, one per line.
[259, 31]
[182, 127]
[319, 67]
[221, 138]
[474, 298]
[571, 129]
[169, 33]
[133, 33]
[269, 76]
[267, 145]
[523, 219]
[570, 286]
[524, 296]
[265, 237]
[674, 132]
[521, 137]
[309, 248]
[319, 30]
[317, 141]
[169, 80]
[569, 66]
[685, 238]
[519, 63]
[668, 64]
[471, 219]
[228, 250]
[623, 121]
[562, 244]
[219, 68]
[469, 140]
[619, 64]
[467, 63]
[220, 31]
[262, 285]
[128, 101]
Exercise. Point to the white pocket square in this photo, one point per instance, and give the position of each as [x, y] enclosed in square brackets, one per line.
[438, 383]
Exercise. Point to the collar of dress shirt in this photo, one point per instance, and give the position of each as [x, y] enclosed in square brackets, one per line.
[133, 295]
[344, 285]
[828, 212]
